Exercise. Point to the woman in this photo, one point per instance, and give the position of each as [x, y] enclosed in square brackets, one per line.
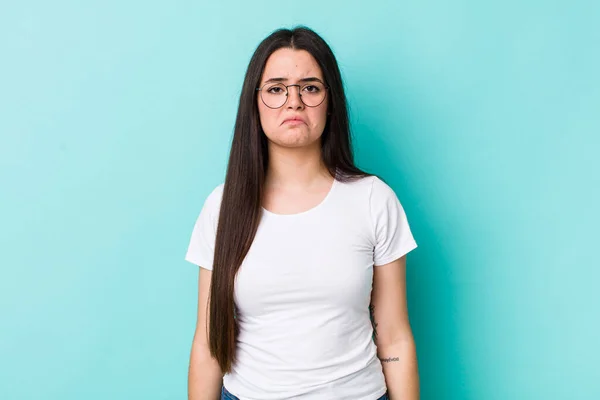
[302, 254]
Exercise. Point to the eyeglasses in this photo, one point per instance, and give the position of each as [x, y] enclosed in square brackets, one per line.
[275, 95]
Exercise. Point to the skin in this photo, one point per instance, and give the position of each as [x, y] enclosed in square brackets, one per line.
[292, 65]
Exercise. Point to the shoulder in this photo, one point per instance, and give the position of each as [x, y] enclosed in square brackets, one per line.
[383, 200]
[216, 194]
[212, 202]
[380, 191]
[371, 188]
[369, 193]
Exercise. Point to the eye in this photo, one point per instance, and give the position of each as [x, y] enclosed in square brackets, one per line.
[275, 90]
[312, 89]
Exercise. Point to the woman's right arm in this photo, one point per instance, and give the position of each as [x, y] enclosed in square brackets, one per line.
[204, 376]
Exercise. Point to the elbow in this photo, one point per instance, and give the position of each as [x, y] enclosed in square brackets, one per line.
[398, 338]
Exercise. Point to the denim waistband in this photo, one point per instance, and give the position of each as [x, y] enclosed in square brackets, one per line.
[225, 395]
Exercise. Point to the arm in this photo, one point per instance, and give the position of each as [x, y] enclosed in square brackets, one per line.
[393, 336]
[204, 376]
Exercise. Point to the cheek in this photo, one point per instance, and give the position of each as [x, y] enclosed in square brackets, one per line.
[319, 117]
[268, 118]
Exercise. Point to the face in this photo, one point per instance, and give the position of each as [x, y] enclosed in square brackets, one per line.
[292, 66]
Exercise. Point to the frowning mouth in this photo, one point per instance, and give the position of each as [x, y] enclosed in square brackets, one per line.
[293, 121]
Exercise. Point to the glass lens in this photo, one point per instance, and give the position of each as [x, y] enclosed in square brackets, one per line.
[313, 94]
[274, 94]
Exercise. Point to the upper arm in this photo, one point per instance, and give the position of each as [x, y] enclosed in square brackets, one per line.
[389, 303]
[204, 280]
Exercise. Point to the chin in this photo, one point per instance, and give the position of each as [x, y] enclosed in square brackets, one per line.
[295, 141]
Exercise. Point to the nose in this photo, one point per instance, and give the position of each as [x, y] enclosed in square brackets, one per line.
[293, 98]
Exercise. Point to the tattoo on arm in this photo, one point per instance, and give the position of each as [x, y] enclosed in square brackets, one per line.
[389, 359]
[373, 323]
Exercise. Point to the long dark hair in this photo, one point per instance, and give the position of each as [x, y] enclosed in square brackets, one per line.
[241, 204]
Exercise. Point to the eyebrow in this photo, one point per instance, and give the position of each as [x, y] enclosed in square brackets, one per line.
[309, 79]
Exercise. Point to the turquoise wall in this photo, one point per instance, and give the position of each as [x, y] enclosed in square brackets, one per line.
[115, 122]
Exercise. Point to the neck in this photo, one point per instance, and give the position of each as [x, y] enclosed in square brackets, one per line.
[295, 167]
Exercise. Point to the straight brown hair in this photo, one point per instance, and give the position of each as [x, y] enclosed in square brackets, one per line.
[241, 204]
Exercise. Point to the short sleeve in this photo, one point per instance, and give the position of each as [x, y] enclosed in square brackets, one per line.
[392, 235]
[202, 243]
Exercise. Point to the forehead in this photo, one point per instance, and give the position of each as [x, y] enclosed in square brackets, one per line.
[291, 64]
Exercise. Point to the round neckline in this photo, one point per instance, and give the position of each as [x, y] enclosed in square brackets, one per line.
[310, 210]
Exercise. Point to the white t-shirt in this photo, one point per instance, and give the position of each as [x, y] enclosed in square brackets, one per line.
[303, 292]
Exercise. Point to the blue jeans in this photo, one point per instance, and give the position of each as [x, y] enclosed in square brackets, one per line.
[225, 395]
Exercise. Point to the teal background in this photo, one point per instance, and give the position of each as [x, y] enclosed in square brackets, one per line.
[115, 123]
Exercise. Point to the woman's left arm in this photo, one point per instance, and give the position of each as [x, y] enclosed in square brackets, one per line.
[393, 336]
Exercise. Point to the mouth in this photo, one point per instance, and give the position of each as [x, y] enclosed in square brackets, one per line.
[293, 122]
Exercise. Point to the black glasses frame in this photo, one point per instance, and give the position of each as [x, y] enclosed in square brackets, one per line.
[287, 92]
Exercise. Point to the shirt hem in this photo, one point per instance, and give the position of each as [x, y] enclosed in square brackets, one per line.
[409, 246]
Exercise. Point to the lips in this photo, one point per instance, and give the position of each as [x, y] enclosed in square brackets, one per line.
[293, 120]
